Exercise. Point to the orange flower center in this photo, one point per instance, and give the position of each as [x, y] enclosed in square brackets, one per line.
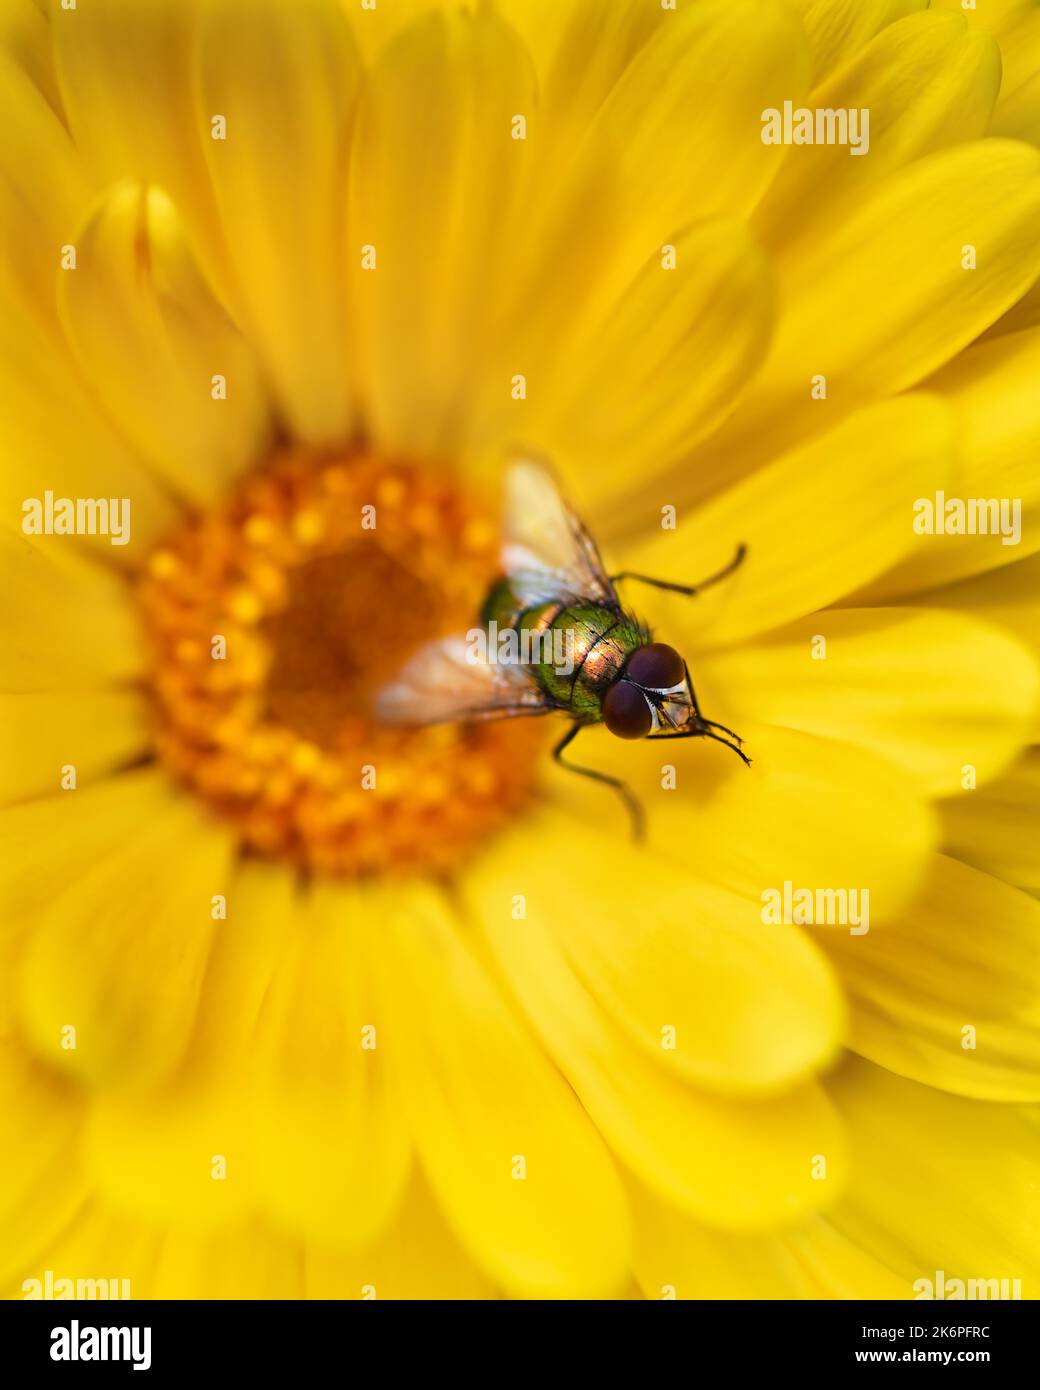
[275, 620]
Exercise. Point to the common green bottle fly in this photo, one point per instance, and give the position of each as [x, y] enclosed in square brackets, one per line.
[555, 637]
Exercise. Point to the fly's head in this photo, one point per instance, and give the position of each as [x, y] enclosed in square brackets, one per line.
[652, 694]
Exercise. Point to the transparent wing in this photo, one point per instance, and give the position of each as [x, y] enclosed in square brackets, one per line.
[547, 550]
[443, 684]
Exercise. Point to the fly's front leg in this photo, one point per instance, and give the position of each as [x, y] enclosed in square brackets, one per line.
[633, 807]
[699, 718]
[688, 589]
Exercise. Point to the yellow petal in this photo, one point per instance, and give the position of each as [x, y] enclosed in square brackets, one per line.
[669, 357]
[703, 987]
[93, 733]
[931, 691]
[44, 190]
[57, 440]
[25, 37]
[914, 1209]
[151, 338]
[813, 532]
[666, 149]
[246, 1260]
[927, 82]
[517, 1166]
[417, 1258]
[287, 248]
[838, 29]
[89, 825]
[946, 992]
[991, 391]
[127, 76]
[43, 1185]
[440, 103]
[70, 623]
[881, 298]
[676, 1257]
[332, 1148]
[997, 828]
[157, 1154]
[679, 1258]
[737, 1163]
[1008, 597]
[580, 50]
[119, 953]
[809, 810]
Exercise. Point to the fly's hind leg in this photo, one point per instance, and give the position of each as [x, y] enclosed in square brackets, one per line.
[688, 589]
[633, 807]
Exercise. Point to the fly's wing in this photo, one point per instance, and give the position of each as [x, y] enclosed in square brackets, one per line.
[547, 551]
[444, 684]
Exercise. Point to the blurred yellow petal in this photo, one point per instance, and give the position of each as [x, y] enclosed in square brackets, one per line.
[119, 953]
[89, 825]
[940, 1183]
[418, 1258]
[809, 810]
[57, 440]
[441, 104]
[46, 734]
[745, 1007]
[665, 149]
[127, 78]
[186, 1150]
[663, 364]
[43, 1184]
[25, 37]
[881, 299]
[997, 827]
[95, 1243]
[813, 531]
[741, 1164]
[838, 29]
[285, 81]
[70, 624]
[44, 189]
[933, 692]
[332, 1146]
[676, 1257]
[247, 1260]
[150, 339]
[580, 50]
[522, 1175]
[947, 992]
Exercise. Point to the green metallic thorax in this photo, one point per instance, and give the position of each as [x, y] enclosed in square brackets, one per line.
[600, 638]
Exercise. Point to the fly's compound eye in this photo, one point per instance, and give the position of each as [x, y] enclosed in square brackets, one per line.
[657, 666]
[626, 712]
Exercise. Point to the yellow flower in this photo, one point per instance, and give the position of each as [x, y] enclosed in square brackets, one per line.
[298, 1005]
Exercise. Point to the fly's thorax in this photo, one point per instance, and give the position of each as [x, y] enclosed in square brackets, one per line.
[598, 641]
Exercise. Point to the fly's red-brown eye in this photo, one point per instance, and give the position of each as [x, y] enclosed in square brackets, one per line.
[626, 712]
[657, 666]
